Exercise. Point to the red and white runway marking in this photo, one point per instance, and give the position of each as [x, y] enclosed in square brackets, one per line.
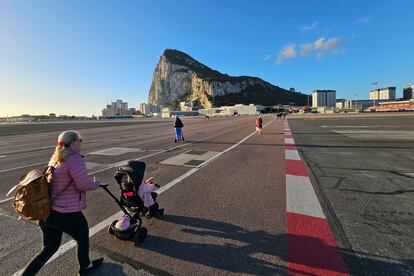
[312, 249]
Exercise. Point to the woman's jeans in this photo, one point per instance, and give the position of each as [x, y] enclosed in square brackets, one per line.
[178, 133]
[73, 224]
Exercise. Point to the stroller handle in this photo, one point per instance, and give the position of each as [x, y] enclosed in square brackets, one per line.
[105, 187]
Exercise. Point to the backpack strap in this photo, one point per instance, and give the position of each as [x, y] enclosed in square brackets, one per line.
[12, 189]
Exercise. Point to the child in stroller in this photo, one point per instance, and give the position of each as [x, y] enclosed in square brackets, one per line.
[147, 194]
[142, 198]
[129, 178]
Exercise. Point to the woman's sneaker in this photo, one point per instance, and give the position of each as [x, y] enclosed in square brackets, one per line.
[92, 266]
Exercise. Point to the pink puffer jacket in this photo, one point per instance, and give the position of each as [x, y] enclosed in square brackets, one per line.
[72, 198]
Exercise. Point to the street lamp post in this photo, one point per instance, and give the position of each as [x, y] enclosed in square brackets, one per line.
[356, 102]
[374, 85]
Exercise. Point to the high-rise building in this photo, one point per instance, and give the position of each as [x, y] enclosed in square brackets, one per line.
[408, 92]
[149, 108]
[116, 109]
[324, 98]
[387, 93]
[144, 109]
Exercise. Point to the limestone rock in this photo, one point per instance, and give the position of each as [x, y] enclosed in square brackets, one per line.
[178, 77]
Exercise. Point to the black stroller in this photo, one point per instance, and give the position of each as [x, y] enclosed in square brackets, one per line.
[129, 177]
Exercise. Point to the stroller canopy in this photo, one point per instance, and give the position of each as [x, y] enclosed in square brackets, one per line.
[134, 170]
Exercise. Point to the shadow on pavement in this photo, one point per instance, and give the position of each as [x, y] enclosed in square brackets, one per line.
[108, 269]
[239, 250]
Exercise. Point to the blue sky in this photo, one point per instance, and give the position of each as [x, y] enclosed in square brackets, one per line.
[73, 57]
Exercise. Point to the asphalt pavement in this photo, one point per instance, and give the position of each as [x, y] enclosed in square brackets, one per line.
[224, 192]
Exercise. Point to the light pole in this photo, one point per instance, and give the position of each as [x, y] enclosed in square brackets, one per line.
[374, 85]
[356, 101]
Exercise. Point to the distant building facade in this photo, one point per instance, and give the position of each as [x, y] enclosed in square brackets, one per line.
[324, 98]
[186, 106]
[118, 108]
[147, 109]
[238, 109]
[340, 103]
[387, 93]
[408, 93]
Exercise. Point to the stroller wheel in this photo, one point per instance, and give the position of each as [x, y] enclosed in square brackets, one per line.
[161, 212]
[140, 235]
[110, 231]
[175, 140]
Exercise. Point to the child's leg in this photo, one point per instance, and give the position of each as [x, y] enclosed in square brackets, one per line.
[154, 196]
[153, 209]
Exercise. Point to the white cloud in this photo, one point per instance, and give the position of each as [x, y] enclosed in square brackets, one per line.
[318, 49]
[321, 46]
[363, 20]
[286, 53]
[267, 57]
[309, 27]
[307, 49]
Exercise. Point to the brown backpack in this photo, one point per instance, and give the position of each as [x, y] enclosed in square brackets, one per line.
[32, 199]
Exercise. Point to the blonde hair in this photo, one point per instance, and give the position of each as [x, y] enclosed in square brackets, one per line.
[63, 150]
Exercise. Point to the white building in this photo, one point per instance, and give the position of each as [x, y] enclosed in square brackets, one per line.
[117, 108]
[144, 109]
[147, 109]
[238, 109]
[387, 93]
[184, 106]
[324, 98]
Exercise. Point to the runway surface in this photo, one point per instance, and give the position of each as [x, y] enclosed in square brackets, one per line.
[224, 192]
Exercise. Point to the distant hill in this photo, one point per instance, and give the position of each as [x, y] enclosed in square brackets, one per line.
[178, 77]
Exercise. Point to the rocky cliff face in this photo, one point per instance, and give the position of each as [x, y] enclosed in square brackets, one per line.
[179, 77]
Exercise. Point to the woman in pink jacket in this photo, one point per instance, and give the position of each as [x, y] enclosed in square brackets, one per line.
[68, 193]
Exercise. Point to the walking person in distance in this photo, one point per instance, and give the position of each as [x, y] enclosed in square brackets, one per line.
[178, 125]
[259, 124]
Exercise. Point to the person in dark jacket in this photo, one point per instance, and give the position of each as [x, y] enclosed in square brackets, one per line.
[178, 125]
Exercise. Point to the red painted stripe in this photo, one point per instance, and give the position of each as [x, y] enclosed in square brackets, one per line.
[290, 147]
[312, 249]
[295, 167]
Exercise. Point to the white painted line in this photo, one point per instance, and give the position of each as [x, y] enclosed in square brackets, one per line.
[289, 141]
[48, 147]
[2, 156]
[301, 198]
[103, 224]
[91, 165]
[7, 199]
[123, 162]
[22, 167]
[292, 155]
[177, 180]
[115, 151]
